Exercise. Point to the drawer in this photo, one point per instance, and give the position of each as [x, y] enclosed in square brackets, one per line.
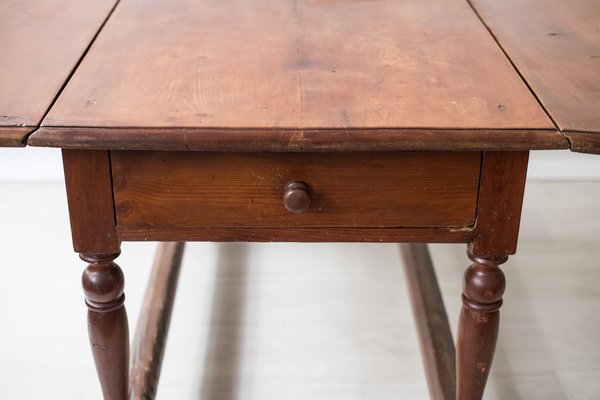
[364, 189]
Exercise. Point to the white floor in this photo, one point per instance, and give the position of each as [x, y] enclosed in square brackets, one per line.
[303, 321]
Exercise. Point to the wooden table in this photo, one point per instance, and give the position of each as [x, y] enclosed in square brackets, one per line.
[42, 43]
[316, 120]
[560, 60]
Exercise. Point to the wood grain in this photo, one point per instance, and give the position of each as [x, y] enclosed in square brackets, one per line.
[42, 41]
[292, 234]
[299, 140]
[555, 45]
[90, 198]
[305, 65]
[108, 329]
[13, 137]
[435, 336]
[583, 142]
[153, 325]
[189, 190]
[483, 286]
[501, 190]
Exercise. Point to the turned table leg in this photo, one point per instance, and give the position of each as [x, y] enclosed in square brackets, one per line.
[501, 188]
[483, 286]
[103, 284]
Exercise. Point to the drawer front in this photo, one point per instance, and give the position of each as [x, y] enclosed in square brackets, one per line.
[378, 189]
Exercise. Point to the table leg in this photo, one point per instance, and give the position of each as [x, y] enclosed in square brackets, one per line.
[483, 286]
[103, 284]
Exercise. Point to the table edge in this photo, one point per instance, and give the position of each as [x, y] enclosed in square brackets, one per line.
[293, 234]
[276, 139]
[583, 142]
[15, 136]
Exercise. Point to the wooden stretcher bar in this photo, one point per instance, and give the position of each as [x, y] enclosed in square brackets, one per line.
[433, 328]
[435, 337]
[153, 325]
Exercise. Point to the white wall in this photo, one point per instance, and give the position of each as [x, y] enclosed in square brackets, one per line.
[564, 164]
[30, 164]
[44, 165]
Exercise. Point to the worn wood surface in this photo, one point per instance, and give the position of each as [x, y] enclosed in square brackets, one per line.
[103, 285]
[298, 139]
[478, 325]
[290, 70]
[13, 137]
[435, 336]
[292, 234]
[584, 142]
[501, 190]
[42, 42]
[153, 325]
[555, 44]
[90, 199]
[190, 190]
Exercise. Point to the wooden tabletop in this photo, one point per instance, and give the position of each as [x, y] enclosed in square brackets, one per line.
[555, 44]
[41, 43]
[296, 75]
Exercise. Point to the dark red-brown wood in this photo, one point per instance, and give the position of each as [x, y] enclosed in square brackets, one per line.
[103, 285]
[42, 42]
[13, 137]
[293, 234]
[186, 190]
[283, 81]
[363, 139]
[296, 197]
[501, 189]
[584, 142]
[483, 287]
[297, 75]
[90, 198]
[153, 324]
[555, 46]
[435, 337]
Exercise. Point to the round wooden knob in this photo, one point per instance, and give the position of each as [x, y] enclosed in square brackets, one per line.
[296, 198]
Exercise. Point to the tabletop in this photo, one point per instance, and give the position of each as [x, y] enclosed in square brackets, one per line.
[297, 75]
[42, 42]
[560, 59]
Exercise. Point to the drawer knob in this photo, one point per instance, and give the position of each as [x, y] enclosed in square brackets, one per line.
[296, 198]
